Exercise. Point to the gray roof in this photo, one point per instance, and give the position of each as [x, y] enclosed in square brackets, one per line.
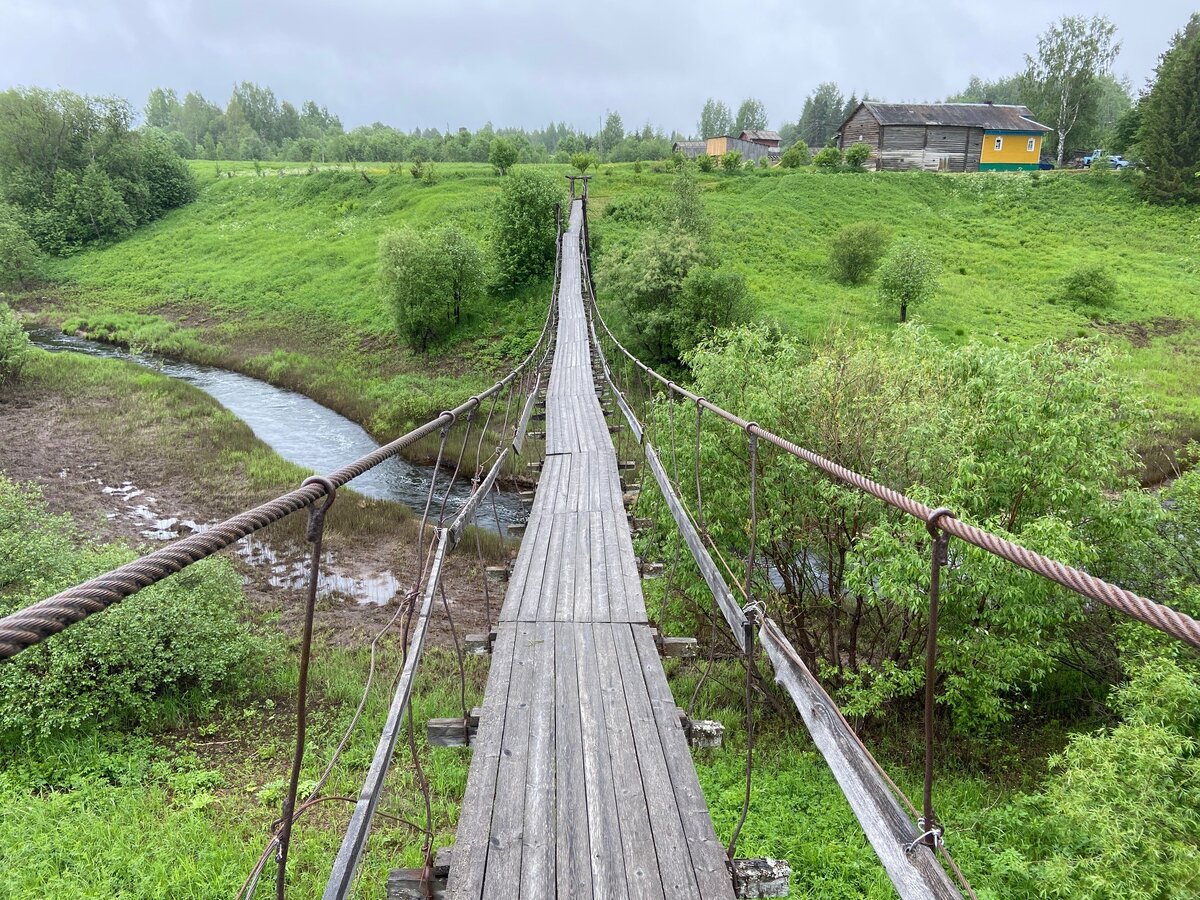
[988, 116]
[760, 135]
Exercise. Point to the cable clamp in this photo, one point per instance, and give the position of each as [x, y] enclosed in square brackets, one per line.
[933, 834]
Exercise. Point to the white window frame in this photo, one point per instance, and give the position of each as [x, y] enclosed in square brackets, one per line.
[1031, 145]
[998, 145]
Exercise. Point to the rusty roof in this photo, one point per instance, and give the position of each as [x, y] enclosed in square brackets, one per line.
[988, 116]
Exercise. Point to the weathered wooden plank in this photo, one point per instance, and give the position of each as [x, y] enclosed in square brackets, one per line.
[474, 821]
[706, 852]
[608, 870]
[573, 847]
[539, 842]
[637, 840]
[508, 811]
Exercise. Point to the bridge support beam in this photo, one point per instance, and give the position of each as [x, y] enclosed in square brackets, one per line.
[453, 732]
[410, 884]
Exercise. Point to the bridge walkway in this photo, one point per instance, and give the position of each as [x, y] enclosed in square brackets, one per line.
[581, 781]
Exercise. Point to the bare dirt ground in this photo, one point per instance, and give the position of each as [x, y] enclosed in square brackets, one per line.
[121, 490]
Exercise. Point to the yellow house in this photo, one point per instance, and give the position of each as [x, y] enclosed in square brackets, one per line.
[1007, 151]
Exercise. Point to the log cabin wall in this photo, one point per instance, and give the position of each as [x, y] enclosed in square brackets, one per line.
[862, 125]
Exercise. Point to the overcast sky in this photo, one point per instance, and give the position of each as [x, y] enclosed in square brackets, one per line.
[446, 63]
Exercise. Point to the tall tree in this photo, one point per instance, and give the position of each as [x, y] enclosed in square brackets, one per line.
[162, 109]
[1063, 79]
[1003, 90]
[751, 116]
[822, 115]
[715, 119]
[613, 133]
[1170, 133]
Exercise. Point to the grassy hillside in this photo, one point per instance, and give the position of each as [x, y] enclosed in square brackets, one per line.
[1004, 242]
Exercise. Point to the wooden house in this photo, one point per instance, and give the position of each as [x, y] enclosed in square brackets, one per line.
[690, 149]
[769, 139]
[947, 137]
[717, 147]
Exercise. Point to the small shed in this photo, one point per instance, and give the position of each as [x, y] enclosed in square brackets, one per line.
[690, 149]
[719, 146]
[951, 137]
[769, 139]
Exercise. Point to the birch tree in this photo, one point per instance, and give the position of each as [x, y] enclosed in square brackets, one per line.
[1063, 79]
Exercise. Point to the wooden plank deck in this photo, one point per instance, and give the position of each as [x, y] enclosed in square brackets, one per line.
[581, 781]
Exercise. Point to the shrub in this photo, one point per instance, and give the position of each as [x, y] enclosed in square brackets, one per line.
[731, 162]
[523, 226]
[857, 155]
[180, 638]
[704, 162]
[796, 156]
[14, 345]
[908, 276]
[1088, 285]
[857, 250]
[828, 158]
[582, 161]
[426, 277]
[709, 299]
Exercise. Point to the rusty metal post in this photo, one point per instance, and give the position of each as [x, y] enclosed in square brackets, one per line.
[316, 530]
[930, 830]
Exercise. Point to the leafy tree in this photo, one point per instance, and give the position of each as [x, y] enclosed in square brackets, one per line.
[1090, 284]
[857, 155]
[687, 208]
[1127, 131]
[857, 250]
[709, 299]
[462, 259]
[822, 115]
[828, 158]
[1063, 79]
[502, 155]
[751, 116]
[162, 109]
[582, 162]
[19, 255]
[1170, 128]
[795, 156]
[524, 231]
[645, 278]
[909, 276]
[715, 119]
[731, 162]
[1008, 91]
[412, 281]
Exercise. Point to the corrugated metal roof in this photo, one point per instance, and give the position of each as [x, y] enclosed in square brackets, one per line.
[988, 116]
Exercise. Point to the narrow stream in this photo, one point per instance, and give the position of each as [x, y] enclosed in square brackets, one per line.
[299, 429]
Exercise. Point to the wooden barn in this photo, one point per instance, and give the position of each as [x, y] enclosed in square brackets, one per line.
[946, 137]
[690, 149]
[769, 139]
[719, 146]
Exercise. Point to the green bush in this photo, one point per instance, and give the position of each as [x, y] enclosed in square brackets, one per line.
[704, 162]
[524, 231]
[857, 155]
[19, 255]
[502, 155]
[828, 158]
[795, 156]
[581, 162]
[857, 250]
[14, 345]
[731, 162]
[908, 276]
[1088, 285]
[180, 639]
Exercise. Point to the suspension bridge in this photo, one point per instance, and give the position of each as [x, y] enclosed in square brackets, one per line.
[581, 781]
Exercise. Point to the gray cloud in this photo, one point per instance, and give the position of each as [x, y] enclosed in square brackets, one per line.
[527, 63]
